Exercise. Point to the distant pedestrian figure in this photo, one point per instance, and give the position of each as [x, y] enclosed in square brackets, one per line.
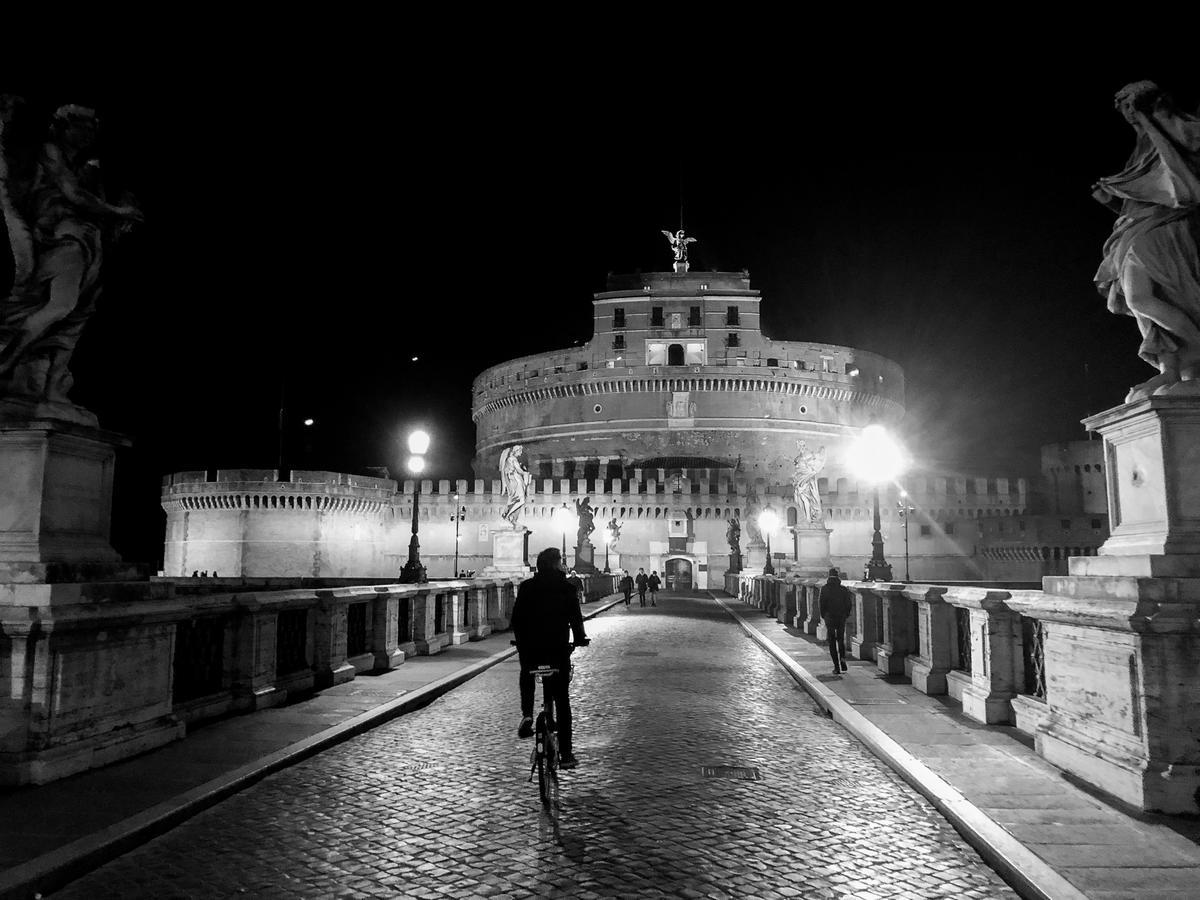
[214, 574]
[204, 574]
[836, 605]
[627, 587]
[195, 573]
[642, 583]
[655, 583]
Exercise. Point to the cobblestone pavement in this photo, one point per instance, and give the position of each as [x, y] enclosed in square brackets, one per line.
[436, 803]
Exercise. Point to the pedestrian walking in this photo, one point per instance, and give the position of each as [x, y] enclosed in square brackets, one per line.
[836, 605]
[654, 584]
[627, 587]
[642, 583]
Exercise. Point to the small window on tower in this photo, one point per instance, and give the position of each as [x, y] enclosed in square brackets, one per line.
[926, 530]
[694, 316]
[656, 315]
[732, 340]
[618, 342]
[619, 317]
[948, 528]
[772, 362]
[1095, 523]
[731, 315]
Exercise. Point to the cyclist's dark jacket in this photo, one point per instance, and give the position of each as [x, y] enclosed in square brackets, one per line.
[546, 612]
[836, 602]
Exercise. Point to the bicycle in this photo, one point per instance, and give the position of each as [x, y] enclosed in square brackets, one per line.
[544, 757]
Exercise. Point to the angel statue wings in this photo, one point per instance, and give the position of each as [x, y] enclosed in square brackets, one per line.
[679, 244]
[57, 223]
[517, 481]
[804, 481]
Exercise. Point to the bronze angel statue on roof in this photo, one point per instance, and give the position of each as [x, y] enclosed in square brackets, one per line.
[679, 244]
[56, 224]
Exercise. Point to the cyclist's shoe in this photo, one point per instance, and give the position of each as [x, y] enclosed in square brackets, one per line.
[567, 761]
[526, 728]
[845, 668]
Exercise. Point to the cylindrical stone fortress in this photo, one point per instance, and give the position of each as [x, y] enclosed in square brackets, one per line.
[678, 375]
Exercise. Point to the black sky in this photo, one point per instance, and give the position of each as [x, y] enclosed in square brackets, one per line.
[319, 224]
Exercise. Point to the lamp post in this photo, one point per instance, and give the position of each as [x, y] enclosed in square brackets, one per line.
[460, 513]
[607, 541]
[768, 522]
[904, 511]
[876, 457]
[413, 571]
[566, 520]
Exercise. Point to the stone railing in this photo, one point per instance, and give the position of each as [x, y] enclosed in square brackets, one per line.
[1104, 685]
[104, 671]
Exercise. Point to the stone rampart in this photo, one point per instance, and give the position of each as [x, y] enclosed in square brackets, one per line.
[335, 525]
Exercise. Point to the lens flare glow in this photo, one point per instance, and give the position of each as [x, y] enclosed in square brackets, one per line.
[418, 442]
[875, 456]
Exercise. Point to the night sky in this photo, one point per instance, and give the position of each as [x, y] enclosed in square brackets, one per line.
[320, 226]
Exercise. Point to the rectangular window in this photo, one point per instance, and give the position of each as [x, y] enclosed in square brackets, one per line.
[583, 366]
[731, 315]
[1095, 523]
[1021, 525]
[656, 317]
[772, 362]
[732, 340]
[826, 363]
[656, 354]
[694, 354]
[619, 317]
[694, 316]
[618, 342]
[1066, 524]
[949, 528]
[926, 530]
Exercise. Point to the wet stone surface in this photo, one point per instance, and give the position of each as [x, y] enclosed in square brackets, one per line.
[437, 803]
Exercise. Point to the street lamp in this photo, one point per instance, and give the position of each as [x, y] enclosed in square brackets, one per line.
[413, 572]
[607, 533]
[904, 512]
[460, 513]
[768, 522]
[875, 457]
[566, 520]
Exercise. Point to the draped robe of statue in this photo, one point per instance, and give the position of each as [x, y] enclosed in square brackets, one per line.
[1155, 238]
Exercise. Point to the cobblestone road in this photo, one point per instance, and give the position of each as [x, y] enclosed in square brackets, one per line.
[436, 803]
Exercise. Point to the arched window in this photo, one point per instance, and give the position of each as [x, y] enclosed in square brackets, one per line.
[675, 355]
[791, 515]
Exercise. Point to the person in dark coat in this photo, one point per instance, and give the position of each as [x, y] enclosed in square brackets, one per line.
[627, 587]
[544, 618]
[836, 605]
[642, 583]
[654, 584]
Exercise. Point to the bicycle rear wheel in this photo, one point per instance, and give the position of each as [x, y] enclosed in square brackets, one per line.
[546, 762]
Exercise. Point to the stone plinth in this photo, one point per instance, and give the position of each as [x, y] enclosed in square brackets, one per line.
[810, 543]
[1152, 470]
[510, 552]
[56, 484]
[585, 558]
[756, 558]
[1122, 631]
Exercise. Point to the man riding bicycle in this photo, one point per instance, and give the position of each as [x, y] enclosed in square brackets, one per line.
[546, 611]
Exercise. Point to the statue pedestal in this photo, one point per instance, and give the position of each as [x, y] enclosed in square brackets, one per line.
[756, 557]
[585, 558]
[810, 544]
[56, 479]
[1122, 630]
[510, 552]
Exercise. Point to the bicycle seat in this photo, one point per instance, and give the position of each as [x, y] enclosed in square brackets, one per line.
[543, 672]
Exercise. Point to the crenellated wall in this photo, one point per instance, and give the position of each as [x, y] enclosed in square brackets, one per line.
[325, 524]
